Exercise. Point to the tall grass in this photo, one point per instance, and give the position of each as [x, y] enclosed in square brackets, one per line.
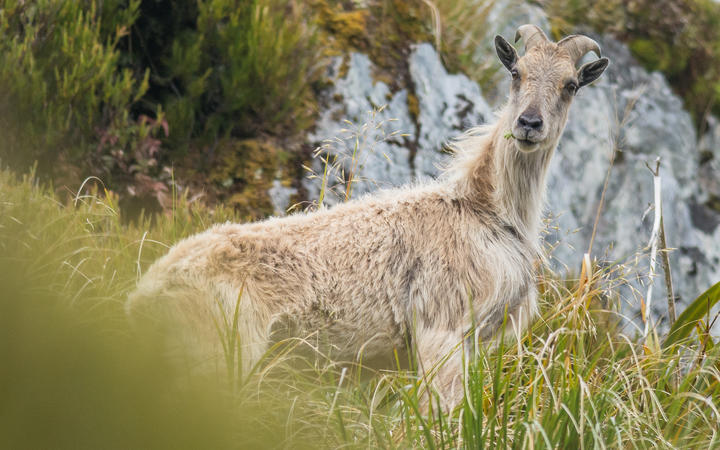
[460, 28]
[343, 158]
[74, 374]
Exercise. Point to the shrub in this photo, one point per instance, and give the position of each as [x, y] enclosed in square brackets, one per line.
[60, 77]
[229, 67]
[120, 89]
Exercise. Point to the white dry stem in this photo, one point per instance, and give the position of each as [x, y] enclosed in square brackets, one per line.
[653, 244]
[337, 391]
[82, 185]
[139, 268]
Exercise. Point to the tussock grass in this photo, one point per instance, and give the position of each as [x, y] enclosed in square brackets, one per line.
[75, 374]
[460, 28]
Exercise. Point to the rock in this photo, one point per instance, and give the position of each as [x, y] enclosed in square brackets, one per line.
[280, 197]
[393, 148]
[636, 113]
[628, 113]
[709, 180]
[353, 125]
[448, 105]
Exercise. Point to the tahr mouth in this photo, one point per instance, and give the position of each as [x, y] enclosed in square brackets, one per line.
[527, 145]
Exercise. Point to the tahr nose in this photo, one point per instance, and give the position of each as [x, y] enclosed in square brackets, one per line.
[530, 121]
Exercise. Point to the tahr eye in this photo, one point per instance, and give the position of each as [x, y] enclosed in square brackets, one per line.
[515, 74]
[571, 88]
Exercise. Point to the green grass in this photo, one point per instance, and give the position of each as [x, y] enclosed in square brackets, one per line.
[75, 374]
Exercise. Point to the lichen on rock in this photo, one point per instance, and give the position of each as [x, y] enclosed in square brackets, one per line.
[244, 172]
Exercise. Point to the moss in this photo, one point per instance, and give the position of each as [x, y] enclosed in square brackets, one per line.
[648, 54]
[713, 203]
[348, 26]
[344, 66]
[382, 29]
[413, 106]
[656, 54]
[242, 172]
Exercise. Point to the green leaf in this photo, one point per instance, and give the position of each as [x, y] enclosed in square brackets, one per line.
[692, 314]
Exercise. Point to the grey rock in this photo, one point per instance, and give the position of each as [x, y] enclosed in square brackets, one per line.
[358, 136]
[280, 197]
[449, 104]
[635, 114]
[629, 114]
[392, 149]
[709, 176]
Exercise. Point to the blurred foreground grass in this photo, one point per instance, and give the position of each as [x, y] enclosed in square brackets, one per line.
[74, 374]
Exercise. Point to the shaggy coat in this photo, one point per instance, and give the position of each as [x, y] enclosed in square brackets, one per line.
[428, 265]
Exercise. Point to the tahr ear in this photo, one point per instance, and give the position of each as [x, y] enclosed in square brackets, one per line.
[506, 52]
[591, 71]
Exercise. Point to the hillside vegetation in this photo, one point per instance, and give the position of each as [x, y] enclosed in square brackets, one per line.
[131, 91]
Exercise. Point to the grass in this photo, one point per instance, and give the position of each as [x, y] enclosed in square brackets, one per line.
[460, 30]
[76, 375]
[344, 156]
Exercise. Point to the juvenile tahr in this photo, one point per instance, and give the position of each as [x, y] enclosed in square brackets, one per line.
[431, 265]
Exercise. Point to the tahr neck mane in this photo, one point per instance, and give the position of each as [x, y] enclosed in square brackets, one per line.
[492, 173]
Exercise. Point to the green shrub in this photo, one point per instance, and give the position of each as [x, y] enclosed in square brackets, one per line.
[60, 78]
[122, 90]
[228, 67]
